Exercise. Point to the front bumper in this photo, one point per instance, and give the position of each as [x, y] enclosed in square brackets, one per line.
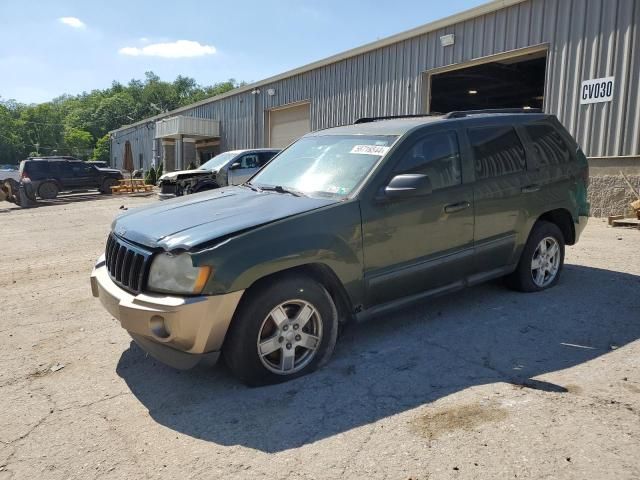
[179, 331]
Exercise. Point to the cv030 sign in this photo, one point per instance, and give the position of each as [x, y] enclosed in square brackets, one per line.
[597, 90]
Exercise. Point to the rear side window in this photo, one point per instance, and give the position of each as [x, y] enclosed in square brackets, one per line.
[497, 151]
[265, 157]
[548, 146]
[436, 156]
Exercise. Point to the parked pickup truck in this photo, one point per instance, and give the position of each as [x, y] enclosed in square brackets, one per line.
[345, 224]
[228, 168]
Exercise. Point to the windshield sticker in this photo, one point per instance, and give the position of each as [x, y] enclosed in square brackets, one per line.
[370, 150]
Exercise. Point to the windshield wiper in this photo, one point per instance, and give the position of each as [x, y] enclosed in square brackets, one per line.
[252, 186]
[281, 189]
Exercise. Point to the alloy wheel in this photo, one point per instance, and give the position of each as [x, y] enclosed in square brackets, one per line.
[289, 337]
[545, 262]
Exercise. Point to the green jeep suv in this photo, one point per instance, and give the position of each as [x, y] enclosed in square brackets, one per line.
[344, 224]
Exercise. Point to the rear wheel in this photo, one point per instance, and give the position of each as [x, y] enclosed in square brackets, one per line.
[48, 191]
[282, 331]
[107, 184]
[541, 261]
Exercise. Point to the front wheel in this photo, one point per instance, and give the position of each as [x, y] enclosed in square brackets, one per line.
[107, 184]
[541, 261]
[281, 331]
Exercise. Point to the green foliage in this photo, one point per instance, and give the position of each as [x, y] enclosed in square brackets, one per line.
[192, 166]
[159, 172]
[150, 178]
[78, 124]
[78, 142]
[101, 152]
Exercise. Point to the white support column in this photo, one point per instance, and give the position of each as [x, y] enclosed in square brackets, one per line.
[179, 154]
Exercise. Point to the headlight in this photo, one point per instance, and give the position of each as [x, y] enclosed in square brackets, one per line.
[176, 274]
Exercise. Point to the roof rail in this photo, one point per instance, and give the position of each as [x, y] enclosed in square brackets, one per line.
[465, 113]
[390, 117]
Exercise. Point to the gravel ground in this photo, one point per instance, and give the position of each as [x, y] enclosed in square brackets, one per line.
[487, 383]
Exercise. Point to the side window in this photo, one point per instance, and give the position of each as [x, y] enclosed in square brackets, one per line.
[265, 157]
[249, 161]
[37, 170]
[436, 156]
[548, 145]
[82, 169]
[497, 151]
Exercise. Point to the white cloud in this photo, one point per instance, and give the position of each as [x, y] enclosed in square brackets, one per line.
[72, 22]
[177, 49]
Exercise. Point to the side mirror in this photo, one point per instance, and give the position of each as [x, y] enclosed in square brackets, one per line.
[408, 185]
[234, 166]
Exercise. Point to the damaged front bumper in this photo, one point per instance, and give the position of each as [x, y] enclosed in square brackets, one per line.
[178, 331]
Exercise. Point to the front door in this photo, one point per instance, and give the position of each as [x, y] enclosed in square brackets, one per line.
[248, 165]
[85, 176]
[416, 244]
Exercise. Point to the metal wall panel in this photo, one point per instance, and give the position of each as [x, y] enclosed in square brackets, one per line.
[586, 38]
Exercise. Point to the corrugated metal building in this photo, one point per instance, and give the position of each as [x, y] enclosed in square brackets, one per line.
[578, 59]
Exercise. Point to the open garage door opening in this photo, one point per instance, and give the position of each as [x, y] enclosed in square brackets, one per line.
[516, 82]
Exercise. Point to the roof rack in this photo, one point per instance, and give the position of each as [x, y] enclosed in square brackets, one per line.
[465, 113]
[53, 157]
[390, 117]
[454, 114]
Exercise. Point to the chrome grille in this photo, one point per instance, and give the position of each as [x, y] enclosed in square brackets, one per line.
[127, 264]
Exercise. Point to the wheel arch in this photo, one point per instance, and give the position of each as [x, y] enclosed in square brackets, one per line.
[55, 181]
[319, 272]
[205, 185]
[564, 221]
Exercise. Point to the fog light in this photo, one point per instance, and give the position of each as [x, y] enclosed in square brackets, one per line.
[159, 327]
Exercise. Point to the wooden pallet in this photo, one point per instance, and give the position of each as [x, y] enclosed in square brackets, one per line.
[131, 186]
[627, 222]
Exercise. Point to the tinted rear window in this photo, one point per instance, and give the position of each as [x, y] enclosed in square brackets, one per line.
[497, 151]
[548, 145]
[36, 170]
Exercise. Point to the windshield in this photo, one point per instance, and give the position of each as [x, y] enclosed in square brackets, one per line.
[329, 165]
[218, 161]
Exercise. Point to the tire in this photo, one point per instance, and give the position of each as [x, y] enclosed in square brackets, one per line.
[107, 184]
[527, 278]
[48, 191]
[255, 326]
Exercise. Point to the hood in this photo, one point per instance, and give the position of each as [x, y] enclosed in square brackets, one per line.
[190, 173]
[186, 222]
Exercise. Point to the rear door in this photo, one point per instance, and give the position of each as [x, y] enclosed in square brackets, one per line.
[500, 212]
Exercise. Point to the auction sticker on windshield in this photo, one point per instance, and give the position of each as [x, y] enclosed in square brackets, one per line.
[370, 150]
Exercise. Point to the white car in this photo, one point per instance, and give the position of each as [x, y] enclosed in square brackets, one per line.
[228, 168]
[9, 171]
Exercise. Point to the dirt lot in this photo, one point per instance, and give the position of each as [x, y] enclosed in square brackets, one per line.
[485, 384]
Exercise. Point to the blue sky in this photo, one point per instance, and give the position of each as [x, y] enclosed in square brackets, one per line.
[48, 48]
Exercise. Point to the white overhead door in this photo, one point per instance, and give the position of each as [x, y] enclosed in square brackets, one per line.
[288, 124]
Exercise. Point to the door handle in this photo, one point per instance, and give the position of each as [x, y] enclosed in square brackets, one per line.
[456, 207]
[530, 188]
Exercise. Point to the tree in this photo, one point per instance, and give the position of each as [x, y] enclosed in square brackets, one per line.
[78, 142]
[73, 123]
[101, 152]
